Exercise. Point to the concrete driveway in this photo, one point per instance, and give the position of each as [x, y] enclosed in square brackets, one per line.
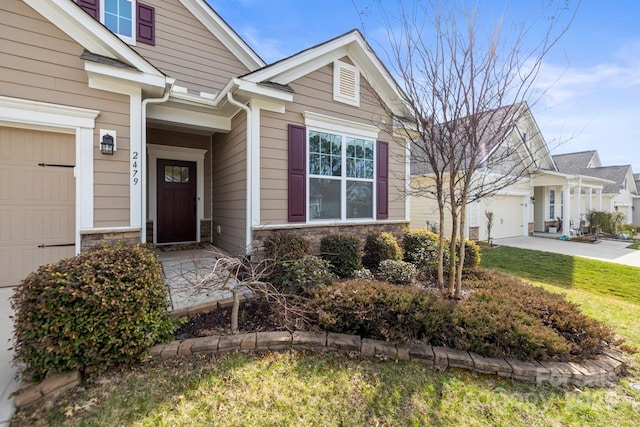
[8, 383]
[606, 250]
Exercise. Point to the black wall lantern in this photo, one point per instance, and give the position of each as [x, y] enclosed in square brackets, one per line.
[106, 145]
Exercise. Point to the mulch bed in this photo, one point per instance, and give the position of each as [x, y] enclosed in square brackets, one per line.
[253, 317]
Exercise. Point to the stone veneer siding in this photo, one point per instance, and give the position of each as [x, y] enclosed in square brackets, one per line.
[315, 233]
[89, 238]
[474, 233]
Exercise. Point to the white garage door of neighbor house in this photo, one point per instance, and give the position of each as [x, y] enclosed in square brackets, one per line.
[508, 216]
[37, 201]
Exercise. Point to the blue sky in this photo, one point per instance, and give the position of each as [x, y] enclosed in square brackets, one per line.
[593, 75]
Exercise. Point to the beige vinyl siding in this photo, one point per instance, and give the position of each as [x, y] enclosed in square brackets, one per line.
[229, 187]
[314, 92]
[187, 51]
[187, 140]
[40, 62]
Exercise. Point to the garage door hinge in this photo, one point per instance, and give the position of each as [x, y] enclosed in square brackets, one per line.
[60, 245]
[55, 165]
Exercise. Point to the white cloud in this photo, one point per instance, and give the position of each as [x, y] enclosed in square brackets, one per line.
[269, 49]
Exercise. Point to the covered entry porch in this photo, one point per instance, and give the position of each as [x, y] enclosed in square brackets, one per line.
[562, 201]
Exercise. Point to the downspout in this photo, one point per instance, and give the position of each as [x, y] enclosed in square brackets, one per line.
[143, 157]
[249, 167]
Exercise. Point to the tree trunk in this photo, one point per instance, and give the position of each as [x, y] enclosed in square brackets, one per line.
[235, 310]
[463, 218]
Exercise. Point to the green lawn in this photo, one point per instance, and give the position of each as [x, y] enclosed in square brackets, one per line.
[335, 390]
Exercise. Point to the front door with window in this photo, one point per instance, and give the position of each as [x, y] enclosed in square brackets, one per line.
[177, 201]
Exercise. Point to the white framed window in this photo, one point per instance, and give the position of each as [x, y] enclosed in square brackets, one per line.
[552, 203]
[346, 83]
[120, 17]
[341, 176]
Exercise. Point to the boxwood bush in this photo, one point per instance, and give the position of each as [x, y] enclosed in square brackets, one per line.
[398, 272]
[421, 250]
[104, 307]
[282, 249]
[378, 247]
[344, 253]
[297, 277]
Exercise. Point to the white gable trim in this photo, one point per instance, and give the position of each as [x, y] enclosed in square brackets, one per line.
[221, 30]
[351, 45]
[89, 33]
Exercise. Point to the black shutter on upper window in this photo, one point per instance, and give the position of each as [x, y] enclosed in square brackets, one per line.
[297, 195]
[92, 7]
[382, 180]
[145, 25]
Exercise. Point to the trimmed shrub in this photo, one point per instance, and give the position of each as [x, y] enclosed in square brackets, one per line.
[104, 307]
[472, 255]
[286, 246]
[363, 274]
[381, 311]
[378, 247]
[344, 253]
[421, 250]
[281, 249]
[398, 272]
[299, 276]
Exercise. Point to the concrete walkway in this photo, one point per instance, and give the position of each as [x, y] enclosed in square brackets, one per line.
[606, 250]
[8, 383]
[192, 279]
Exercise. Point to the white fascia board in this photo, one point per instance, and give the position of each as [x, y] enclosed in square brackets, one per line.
[89, 33]
[222, 31]
[150, 83]
[252, 89]
[26, 111]
[198, 119]
[322, 121]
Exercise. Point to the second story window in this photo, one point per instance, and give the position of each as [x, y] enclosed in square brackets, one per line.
[119, 16]
[131, 20]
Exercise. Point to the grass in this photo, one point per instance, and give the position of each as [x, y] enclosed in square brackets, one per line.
[635, 245]
[326, 390]
[568, 272]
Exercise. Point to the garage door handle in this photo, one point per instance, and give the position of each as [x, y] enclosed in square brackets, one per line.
[60, 245]
[54, 165]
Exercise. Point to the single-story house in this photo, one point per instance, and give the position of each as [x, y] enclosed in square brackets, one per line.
[153, 121]
[618, 195]
[542, 194]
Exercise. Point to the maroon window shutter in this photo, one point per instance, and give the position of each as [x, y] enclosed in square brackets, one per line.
[382, 180]
[145, 25]
[297, 174]
[92, 7]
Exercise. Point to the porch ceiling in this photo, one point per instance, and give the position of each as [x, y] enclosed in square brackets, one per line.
[194, 118]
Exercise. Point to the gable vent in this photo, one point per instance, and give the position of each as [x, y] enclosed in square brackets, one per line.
[346, 83]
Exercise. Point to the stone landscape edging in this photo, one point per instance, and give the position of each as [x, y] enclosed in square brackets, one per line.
[596, 372]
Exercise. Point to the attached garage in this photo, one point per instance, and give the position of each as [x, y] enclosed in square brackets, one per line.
[508, 216]
[37, 200]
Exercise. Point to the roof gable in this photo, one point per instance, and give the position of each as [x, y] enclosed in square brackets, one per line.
[573, 163]
[351, 45]
[221, 30]
[91, 34]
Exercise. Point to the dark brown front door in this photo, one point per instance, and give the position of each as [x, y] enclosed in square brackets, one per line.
[177, 204]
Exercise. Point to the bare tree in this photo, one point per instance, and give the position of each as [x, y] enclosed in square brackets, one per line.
[489, 216]
[244, 278]
[468, 89]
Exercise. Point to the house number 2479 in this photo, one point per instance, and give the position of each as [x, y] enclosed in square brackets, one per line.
[135, 168]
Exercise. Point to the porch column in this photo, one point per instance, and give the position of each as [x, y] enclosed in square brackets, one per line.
[599, 199]
[576, 209]
[587, 201]
[566, 211]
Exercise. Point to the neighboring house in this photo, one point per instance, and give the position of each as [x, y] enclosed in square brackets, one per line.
[531, 204]
[210, 144]
[618, 195]
[636, 202]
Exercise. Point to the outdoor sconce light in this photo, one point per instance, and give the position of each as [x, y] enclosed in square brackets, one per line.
[107, 145]
[533, 199]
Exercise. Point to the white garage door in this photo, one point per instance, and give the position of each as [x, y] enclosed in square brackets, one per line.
[37, 201]
[508, 216]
